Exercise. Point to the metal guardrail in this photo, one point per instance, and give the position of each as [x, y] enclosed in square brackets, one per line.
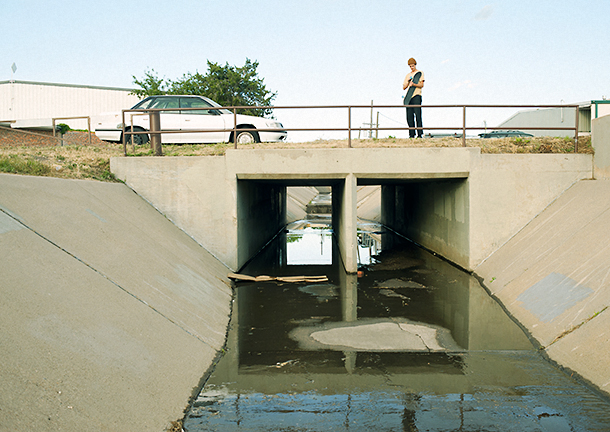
[463, 128]
[42, 135]
[75, 118]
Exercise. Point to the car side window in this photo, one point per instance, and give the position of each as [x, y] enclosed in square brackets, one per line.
[192, 102]
[166, 102]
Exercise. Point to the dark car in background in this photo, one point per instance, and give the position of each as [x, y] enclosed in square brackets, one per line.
[504, 134]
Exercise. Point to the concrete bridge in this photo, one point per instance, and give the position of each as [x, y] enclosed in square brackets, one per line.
[455, 201]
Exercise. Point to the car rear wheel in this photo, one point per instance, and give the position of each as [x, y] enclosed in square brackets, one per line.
[247, 137]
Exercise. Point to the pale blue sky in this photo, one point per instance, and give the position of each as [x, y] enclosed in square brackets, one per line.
[325, 52]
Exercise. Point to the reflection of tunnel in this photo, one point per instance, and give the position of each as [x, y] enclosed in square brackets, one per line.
[433, 212]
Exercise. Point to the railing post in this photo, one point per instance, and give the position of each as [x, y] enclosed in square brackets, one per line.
[349, 127]
[576, 130]
[133, 146]
[155, 136]
[464, 128]
[235, 127]
[89, 128]
[123, 134]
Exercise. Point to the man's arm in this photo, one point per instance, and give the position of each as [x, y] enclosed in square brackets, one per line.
[419, 84]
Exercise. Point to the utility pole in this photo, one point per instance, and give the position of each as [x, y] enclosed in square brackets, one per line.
[371, 123]
[377, 130]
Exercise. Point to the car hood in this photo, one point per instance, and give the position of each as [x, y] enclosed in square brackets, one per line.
[243, 119]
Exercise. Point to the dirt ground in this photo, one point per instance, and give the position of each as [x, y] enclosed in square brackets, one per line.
[74, 157]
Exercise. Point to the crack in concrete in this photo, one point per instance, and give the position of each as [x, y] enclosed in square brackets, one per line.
[20, 222]
[573, 329]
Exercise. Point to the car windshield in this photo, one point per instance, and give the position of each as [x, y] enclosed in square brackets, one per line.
[214, 104]
[144, 104]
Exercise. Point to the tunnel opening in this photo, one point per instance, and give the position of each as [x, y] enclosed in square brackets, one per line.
[268, 208]
[433, 213]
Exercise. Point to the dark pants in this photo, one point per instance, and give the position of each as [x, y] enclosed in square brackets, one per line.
[414, 116]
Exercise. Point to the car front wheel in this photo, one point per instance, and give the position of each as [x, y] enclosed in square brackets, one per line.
[138, 139]
[247, 137]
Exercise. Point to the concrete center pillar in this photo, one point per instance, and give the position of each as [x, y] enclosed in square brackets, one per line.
[345, 223]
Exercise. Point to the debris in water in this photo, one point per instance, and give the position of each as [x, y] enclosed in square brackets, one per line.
[399, 283]
[389, 293]
[264, 278]
[282, 364]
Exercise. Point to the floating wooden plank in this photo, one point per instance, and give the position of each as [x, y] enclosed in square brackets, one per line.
[288, 279]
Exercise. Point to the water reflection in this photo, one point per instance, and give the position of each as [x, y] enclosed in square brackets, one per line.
[309, 242]
[414, 344]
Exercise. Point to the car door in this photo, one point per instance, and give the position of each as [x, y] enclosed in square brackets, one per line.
[200, 120]
[170, 119]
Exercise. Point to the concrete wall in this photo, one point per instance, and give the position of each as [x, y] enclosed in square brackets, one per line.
[196, 193]
[110, 314]
[464, 220]
[553, 276]
[432, 213]
[369, 202]
[506, 191]
[182, 188]
[261, 213]
[297, 199]
[600, 137]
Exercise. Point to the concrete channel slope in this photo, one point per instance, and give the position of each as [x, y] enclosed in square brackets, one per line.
[110, 314]
[554, 277]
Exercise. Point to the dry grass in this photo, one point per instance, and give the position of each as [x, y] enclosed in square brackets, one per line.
[79, 160]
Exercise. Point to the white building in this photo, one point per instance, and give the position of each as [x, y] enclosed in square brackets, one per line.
[558, 117]
[34, 105]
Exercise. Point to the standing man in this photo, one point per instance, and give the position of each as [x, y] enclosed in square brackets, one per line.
[414, 83]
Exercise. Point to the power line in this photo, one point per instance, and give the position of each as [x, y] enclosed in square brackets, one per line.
[395, 121]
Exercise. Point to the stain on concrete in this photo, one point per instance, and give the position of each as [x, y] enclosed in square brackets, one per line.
[96, 215]
[552, 296]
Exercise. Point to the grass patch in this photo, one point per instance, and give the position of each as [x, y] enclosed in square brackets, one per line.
[14, 164]
[76, 162]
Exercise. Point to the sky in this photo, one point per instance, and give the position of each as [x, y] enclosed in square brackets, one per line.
[326, 52]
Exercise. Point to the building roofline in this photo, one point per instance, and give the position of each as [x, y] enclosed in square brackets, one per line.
[65, 85]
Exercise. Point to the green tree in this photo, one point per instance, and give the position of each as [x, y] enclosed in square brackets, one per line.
[150, 85]
[228, 85]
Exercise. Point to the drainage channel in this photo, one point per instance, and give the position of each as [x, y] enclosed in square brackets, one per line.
[411, 343]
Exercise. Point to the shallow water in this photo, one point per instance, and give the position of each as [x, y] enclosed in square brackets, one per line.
[415, 344]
